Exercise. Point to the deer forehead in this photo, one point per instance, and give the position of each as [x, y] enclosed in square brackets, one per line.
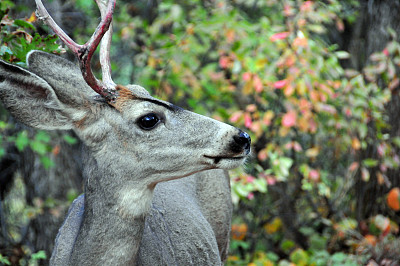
[134, 99]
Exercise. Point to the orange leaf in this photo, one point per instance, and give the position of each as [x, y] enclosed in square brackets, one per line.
[239, 231]
[32, 18]
[393, 199]
[289, 90]
[273, 226]
[300, 42]
[56, 150]
[268, 117]
[312, 152]
[370, 239]
[353, 166]
[230, 35]
[257, 83]
[251, 108]
[355, 143]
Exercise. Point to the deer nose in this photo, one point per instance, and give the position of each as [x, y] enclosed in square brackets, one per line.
[243, 140]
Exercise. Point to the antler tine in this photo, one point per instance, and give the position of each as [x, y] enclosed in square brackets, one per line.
[105, 47]
[85, 52]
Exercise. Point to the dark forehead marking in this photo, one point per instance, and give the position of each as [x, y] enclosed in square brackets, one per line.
[171, 107]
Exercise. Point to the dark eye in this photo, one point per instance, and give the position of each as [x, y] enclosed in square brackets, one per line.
[148, 121]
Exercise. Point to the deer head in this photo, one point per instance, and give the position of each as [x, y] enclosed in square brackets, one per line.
[131, 136]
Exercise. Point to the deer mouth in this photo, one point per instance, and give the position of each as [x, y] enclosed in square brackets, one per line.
[217, 159]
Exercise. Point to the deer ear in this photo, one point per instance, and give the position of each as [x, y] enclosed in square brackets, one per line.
[62, 75]
[30, 99]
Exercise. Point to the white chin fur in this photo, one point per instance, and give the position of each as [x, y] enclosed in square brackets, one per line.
[228, 163]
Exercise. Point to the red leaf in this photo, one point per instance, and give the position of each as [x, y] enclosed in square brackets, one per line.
[386, 52]
[279, 36]
[289, 119]
[247, 120]
[223, 62]
[235, 116]
[314, 175]
[250, 179]
[280, 84]
[246, 76]
[257, 84]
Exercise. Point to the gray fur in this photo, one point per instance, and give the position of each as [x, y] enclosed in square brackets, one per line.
[184, 221]
[68, 233]
[192, 227]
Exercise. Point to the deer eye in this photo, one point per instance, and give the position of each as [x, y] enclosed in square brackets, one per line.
[148, 121]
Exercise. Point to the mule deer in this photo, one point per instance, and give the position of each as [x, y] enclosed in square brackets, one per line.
[132, 143]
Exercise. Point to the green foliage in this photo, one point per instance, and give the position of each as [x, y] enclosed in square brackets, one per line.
[4, 260]
[19, 36]
[36, 257]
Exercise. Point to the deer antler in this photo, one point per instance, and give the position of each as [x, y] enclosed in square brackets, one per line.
[106, 88]
[105, 46]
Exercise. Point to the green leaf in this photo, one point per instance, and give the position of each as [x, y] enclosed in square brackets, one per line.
[396, 141]
[84, 4]
[69, 139]
[43, 137]
[72, 194]
[317, 242]
[39, 147]
[260, 184]
[237, 243]
[272, 256]
[24, 24]
[362, 130]
[40, 255]
[286, 245]
[46, 162]
[299, 257]
[339, 257]
[240, 190]
[5, 4]
[370, 162]
[4, 260]
[22, 140]
[342, 54]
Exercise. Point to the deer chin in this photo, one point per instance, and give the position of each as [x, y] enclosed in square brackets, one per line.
[226, 162]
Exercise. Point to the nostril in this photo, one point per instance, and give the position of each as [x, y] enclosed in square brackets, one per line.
[243, 139]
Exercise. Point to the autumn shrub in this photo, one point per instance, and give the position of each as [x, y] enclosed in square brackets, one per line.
[270, 68]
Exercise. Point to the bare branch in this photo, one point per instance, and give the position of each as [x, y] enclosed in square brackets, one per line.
[45, 16]
[85, 52]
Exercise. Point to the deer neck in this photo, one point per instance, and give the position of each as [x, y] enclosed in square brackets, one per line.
[114, 216]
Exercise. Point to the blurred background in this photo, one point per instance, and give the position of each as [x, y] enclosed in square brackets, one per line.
[315, 84]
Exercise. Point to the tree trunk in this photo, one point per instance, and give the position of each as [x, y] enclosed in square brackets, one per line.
[368, 35]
